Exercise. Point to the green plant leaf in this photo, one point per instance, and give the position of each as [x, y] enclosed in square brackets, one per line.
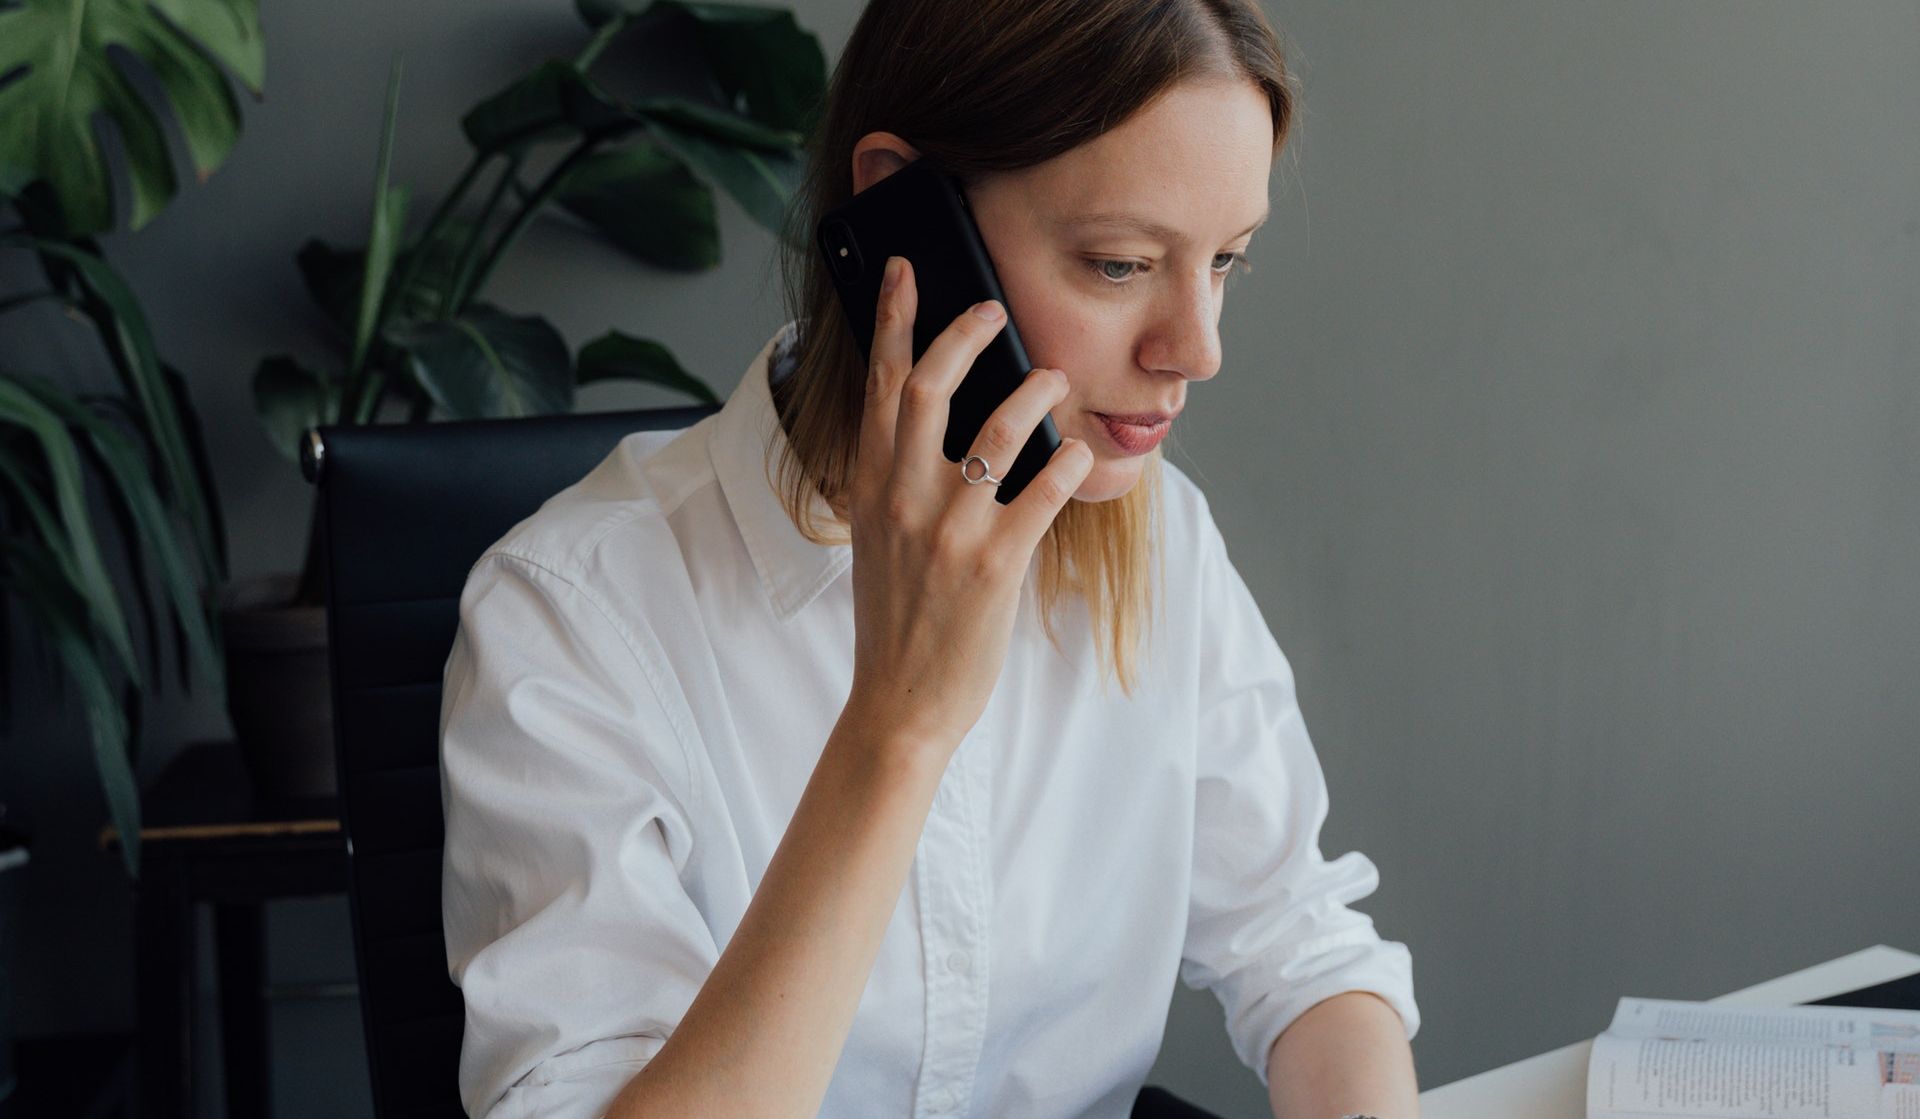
[127, 534]
[766, 66]
[554, 102]
[332, 275]
[617, 356]
[214, 563]
[289, 399]
[27, 482]
[716, 124]
[485, 363]
[63, 619]
[383, 235]
[596, 12]
[763, 64]
[439, 264]
[129, 341]
[332, 279]
[228, 29]
[647, 202]
[46, 113]
[122, 466]
[763, 182]
[88, 572]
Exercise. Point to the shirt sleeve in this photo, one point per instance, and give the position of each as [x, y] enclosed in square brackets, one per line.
[575, 944]
[1268, 928]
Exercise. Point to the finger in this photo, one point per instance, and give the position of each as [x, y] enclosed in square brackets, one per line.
[1007, 430]
[891, 359]
[920, 433]
[1027, 517]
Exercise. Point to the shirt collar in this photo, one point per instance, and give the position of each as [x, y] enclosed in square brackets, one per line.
[747, 442]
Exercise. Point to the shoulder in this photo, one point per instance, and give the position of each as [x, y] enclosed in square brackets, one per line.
[596, 578]
[617, 514]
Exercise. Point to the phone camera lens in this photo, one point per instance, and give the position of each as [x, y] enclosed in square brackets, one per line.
[843, 252]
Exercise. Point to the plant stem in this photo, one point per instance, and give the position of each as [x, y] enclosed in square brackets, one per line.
[365, 408]
[608, 32]
[441, 215]
[470, 252]
[367, 385]
[532, 206]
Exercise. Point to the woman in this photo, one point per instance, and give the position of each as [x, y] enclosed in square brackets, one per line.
[780, 767]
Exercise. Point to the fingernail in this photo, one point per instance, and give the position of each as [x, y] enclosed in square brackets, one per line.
[890, 278]
[989, 310]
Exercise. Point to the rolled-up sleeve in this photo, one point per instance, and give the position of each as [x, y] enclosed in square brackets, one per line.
[1269, 930]
[569, 931]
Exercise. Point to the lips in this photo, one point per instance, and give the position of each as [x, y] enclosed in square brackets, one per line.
[1139, 419]
[1135, 438]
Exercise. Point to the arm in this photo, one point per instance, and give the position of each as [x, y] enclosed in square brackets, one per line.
[1271, 930]
[574, 810]
[1346, 1055]
[766, 1030]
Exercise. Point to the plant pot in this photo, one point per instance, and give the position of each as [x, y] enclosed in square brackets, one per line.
[279, 694]
[13, 895]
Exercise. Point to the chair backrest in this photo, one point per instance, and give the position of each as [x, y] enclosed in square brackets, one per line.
[405, 510]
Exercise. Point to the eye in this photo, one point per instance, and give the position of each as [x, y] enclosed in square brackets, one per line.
[1105, 269]
[1224, 263]
[1119, 273]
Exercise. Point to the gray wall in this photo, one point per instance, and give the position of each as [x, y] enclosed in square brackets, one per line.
[1567, 436]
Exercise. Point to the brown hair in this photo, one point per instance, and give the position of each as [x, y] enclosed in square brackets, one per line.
[983, 87]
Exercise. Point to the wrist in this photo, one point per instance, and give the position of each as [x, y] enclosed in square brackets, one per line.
[889, 746]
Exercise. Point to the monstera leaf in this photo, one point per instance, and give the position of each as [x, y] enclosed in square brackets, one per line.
[487, 364]
[648, 203]
[760, 62]
[618, 356]
[767, 72]
[56, 76]
[554, 102]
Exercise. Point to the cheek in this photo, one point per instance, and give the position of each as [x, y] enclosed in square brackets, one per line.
[1055, 339]
[1065, 328]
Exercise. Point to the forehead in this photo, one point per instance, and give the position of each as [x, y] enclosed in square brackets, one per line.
[1195, 159]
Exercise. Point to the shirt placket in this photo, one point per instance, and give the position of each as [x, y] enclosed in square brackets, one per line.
[956, 898]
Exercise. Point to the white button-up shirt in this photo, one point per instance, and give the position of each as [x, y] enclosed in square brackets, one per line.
[645, 674]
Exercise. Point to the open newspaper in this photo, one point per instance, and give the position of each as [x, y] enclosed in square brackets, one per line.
[1712, 1061]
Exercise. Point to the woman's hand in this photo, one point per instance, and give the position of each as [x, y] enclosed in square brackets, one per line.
[937, 563]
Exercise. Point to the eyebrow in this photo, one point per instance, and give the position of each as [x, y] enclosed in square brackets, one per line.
[1121, 219]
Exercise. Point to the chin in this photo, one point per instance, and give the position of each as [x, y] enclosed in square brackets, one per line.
[1109, 478]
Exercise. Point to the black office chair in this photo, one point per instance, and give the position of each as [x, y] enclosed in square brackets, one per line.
[405, 511]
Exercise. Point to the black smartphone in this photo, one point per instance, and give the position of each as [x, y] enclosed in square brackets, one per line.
[920, 212]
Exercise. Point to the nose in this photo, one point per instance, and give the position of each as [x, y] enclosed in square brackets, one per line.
[1184, 335]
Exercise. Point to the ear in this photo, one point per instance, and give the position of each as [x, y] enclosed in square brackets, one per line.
[877, 155]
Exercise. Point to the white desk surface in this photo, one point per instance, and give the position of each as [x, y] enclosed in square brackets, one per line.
[1554, 1085]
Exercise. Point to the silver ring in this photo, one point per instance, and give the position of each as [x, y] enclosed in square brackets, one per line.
[985, 471]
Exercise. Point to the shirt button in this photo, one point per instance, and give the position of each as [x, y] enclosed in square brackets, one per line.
[942, 1100]
[957, 962]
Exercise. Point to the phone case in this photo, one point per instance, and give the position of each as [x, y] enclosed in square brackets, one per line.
[920, 212]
